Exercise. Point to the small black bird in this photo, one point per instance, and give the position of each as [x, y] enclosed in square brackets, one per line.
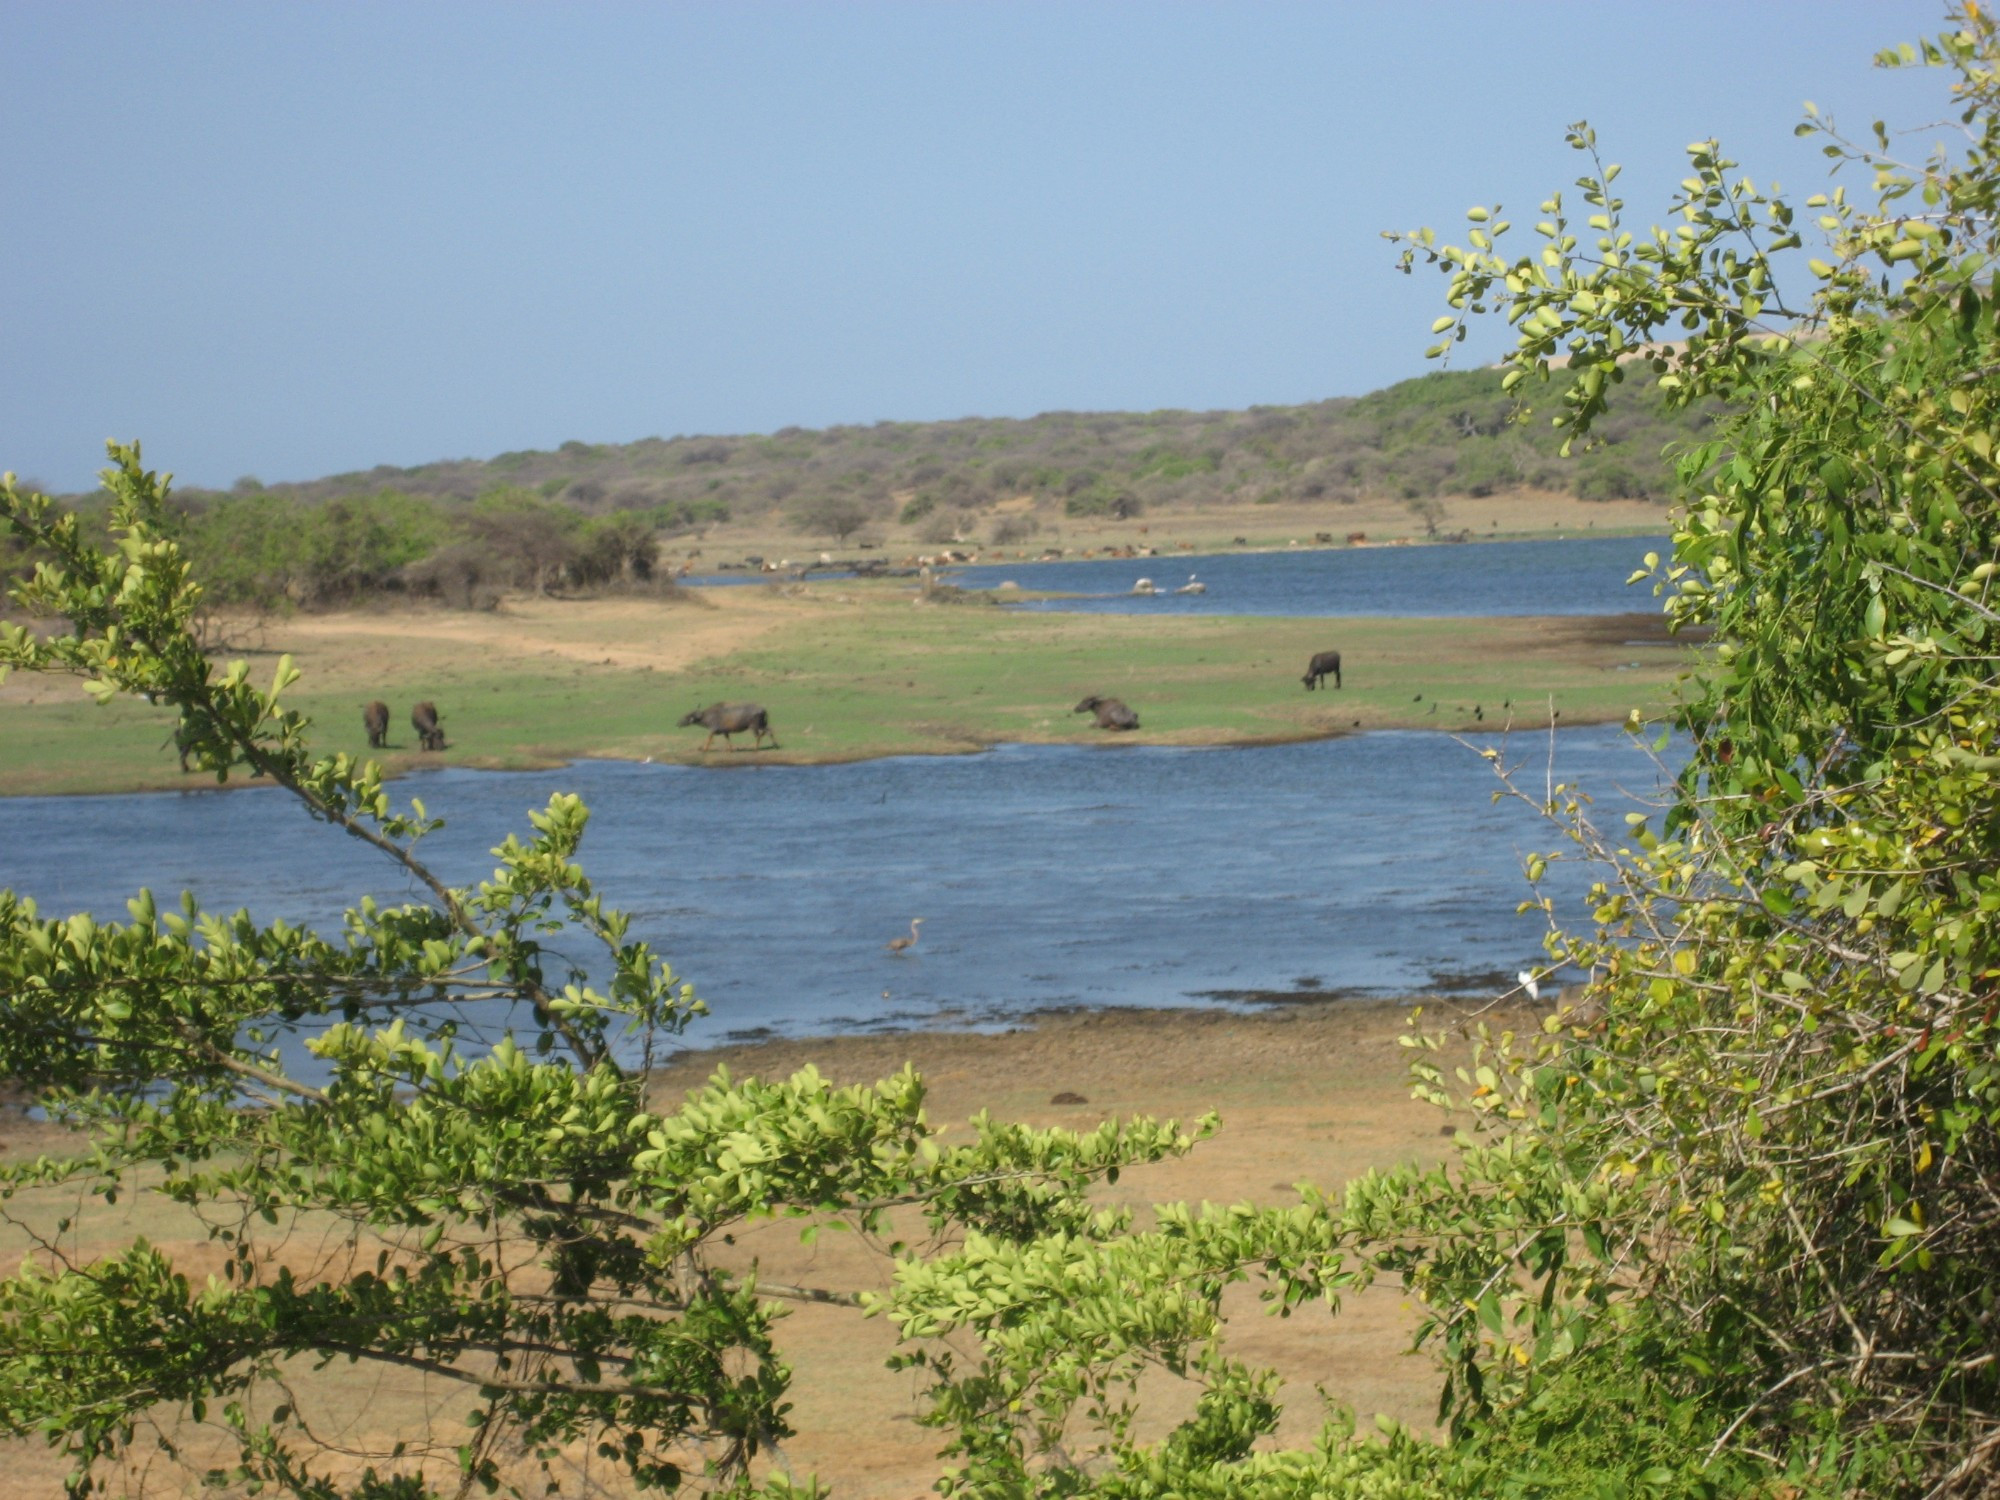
[1418, 699]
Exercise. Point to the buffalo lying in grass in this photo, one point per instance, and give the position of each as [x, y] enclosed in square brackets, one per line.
[1111, 712]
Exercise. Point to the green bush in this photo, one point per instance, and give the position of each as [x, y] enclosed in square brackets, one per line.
[1104, 498]
[1743, 1198]
[270, 550]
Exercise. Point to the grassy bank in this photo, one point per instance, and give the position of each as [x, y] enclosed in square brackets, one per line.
[850, 671]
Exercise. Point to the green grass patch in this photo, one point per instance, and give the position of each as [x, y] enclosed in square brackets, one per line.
[872, 675]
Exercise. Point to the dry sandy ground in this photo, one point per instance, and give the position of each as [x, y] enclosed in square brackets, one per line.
[359, 648]
[1309, 1093]
[639, 633]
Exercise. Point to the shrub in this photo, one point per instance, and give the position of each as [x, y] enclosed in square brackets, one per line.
[1103, 498]
[835, 515]
[1749, 1191]
[1007, 530]
[940, 527]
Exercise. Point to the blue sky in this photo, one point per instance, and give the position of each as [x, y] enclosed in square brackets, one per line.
[288, 240]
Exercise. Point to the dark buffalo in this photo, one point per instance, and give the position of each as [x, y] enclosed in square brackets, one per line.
[375, 719]
[727, 719]
[1323, 663]
[424, 719]
[1111, 712]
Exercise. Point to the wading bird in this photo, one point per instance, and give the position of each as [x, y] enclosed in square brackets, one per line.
[904, 945]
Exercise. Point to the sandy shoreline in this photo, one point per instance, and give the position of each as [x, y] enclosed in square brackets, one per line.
[1306, 1093]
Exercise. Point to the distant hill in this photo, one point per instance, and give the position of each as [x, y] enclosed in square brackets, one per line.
[593, 516]
[1446, 433]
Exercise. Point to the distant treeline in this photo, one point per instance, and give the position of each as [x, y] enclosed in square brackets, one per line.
[590, 515]
[273, 548]
[277, 550]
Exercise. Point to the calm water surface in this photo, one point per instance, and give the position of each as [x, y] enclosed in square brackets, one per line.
[1573, 577]
[1047, 875]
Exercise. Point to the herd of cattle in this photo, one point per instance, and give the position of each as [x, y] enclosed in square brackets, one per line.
[732, 719]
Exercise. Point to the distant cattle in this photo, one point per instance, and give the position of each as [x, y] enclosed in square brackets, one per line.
[1323, 663]
[1111, 712]
[424, 719]
[727, 719]
[375, 719]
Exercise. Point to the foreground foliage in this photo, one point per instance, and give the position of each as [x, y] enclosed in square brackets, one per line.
[1732, 1227]
[1767, 1175]
[424, 1144]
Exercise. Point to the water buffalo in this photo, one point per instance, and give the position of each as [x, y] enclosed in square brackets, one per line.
[1322, 663]
[424, 719]
[1111, 712]
[375, 719]
[727, 719]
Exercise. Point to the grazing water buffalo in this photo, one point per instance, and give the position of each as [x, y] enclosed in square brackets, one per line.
[424, 719]
[375, 719]
[1111, 712]
[1323, 663]
[728, 719]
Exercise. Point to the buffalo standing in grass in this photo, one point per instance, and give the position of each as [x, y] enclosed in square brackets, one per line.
[375, 719]
[424, 719]
[1323, 663]
[727, 719]
[1111, 712]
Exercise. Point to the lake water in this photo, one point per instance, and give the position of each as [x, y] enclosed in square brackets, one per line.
[1047, 875]
[1577, 577]
[1574, 577]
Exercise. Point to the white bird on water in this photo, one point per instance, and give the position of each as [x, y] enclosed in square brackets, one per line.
[1527, 982]
[1193, 586]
